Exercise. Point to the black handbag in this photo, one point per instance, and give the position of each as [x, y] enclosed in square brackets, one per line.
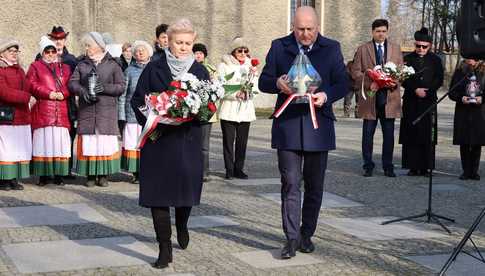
[7, 114]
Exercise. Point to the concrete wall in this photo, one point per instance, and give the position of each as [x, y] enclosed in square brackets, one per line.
[216, 21]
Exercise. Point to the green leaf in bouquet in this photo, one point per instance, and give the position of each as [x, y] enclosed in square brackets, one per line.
[229, 76]
[370, 93]
[231, 88]
[154, 135]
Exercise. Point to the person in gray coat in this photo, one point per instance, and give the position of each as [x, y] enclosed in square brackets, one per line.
[130, 158]
[98, 153]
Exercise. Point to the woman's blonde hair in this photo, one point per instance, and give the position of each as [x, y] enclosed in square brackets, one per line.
[181, 26]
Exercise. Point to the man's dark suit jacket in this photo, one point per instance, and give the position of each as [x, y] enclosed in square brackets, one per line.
[293, 130]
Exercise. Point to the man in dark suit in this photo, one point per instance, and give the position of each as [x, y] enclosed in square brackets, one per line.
[385, 104]
[293, 134]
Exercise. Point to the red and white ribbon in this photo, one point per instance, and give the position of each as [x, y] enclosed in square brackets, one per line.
[310, 103]
[150, 126]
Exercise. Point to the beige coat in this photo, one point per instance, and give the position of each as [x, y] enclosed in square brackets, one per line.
[365, 58]
[231, 108]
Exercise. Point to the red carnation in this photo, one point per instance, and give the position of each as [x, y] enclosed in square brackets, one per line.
[254, 62]
[212, 107]
[176, 84]
[182, 94]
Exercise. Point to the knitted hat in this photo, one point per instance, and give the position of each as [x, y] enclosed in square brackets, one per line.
[44, 43]
[142, 43]
[199, 47]
[98, 38]
[237, 42]
[7, 42]
[108, 38]
[423, 35]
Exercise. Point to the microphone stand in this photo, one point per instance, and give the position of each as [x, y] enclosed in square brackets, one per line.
[430, 216]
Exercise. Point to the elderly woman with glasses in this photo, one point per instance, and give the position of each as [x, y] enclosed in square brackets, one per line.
[98, 81]
[236, 110]
[48, 78]
[171, 166]
[15, 118]
[130, 159]
[419, 94]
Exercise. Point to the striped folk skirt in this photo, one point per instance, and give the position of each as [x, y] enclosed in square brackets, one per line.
[97, 155]
[51, 151]
[130, 159]
[15, 151]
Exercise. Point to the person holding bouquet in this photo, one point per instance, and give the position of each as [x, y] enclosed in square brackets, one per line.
[419, 94]
[377, 103]
[469, 120]
[98, 80]
[237, 109]
[171, 167]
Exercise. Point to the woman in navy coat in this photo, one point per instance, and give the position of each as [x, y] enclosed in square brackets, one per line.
[171, 166]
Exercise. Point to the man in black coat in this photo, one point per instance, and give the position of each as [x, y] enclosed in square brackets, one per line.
[419, 94]
[293, 134]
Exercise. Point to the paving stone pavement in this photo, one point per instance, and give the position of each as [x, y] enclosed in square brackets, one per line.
[243, 233]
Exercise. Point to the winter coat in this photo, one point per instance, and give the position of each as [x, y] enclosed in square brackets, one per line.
[365, 58]
[14, 92]
[293, 130]
[469, 120]
[47, 112]
[232, 108]
[100, 117]
[429, 74]
[171, 166]
[125, 112]
[125, 64]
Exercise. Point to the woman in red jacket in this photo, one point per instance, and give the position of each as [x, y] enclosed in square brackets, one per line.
[47, 79]
[15, 132]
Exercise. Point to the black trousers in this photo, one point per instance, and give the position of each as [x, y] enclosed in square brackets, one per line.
[290, 166]
[368, 131]
[161, 221]
[470, 159]
[234, 134]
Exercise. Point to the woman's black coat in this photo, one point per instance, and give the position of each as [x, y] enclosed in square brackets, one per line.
[171, 166]
[469, 120]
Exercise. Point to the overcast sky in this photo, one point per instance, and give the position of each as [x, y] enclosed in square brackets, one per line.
[384, 7]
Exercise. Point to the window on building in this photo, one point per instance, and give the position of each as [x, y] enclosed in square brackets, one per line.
[294, 4]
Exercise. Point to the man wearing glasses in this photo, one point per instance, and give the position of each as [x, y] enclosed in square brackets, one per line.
[419, 93]
[377, 104]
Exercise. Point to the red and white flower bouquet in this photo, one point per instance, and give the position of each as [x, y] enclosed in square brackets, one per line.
[388, 75]
[185, 100]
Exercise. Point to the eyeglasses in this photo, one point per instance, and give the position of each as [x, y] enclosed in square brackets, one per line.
[424, 47]
[13, 51]
[50, 52]
[240, 51]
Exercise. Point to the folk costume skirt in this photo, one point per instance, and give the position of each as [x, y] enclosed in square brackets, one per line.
[51, 151]
[97, 155]
[15, 151]
[130, 158]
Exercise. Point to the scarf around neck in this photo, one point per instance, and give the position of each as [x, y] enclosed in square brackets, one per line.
[178, 67]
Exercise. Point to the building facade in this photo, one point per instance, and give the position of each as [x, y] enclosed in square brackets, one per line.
[217, 22]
